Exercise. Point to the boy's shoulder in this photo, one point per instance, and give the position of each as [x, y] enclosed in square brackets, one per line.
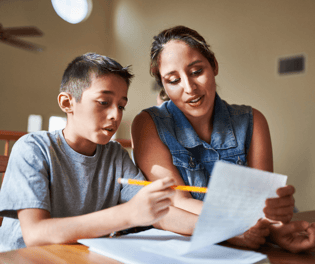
[46, 144]
[38, 139]
[39, 136]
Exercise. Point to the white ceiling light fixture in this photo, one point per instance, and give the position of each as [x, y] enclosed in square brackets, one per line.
[73, 11]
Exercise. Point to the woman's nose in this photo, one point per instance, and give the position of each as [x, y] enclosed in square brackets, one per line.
[189, 86]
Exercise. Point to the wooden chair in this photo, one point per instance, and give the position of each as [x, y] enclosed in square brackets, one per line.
[3, 165]
[9, 136]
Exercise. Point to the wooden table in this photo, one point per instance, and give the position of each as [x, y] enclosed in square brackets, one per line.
[53, 254]
[78, 254]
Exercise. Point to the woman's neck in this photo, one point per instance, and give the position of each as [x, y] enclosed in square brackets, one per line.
[203, 126]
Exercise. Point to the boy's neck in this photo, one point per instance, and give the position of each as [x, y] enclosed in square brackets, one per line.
[79, 145]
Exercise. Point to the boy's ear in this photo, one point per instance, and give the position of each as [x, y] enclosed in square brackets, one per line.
[65, 102]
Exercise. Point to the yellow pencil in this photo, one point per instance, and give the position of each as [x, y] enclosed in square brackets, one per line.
[176, 187]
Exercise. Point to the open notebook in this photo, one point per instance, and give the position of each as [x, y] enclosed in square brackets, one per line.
[234, 202]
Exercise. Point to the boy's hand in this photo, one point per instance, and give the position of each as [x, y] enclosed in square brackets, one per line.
[296, 236]
[254, 237]
[151, 203]
[281, 208]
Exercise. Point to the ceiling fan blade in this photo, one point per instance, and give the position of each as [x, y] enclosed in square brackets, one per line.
[23, 31]
[21, 44]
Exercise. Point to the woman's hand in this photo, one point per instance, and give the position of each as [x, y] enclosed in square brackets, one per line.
[295, 237]
[281, 208]
[151, 203]
[254, 237]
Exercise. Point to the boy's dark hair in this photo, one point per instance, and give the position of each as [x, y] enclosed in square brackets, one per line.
[190, 37]
[79, 73]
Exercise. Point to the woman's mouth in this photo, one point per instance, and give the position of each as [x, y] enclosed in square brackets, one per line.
[196, 102]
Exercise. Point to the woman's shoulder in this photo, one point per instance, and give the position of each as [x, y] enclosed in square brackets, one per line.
[152, 123]
[160, 111]
[143, 120]
[155, 117]
[238, 109]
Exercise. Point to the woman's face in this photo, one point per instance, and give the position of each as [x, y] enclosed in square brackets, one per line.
[188, 79]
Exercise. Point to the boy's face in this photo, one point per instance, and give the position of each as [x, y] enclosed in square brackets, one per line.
[96, 118]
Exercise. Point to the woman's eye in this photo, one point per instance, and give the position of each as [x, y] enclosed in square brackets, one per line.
[174, 81]
[197, 72]
[103, 103]
[122, 108]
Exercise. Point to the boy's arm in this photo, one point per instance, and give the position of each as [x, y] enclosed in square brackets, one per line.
[148, 206]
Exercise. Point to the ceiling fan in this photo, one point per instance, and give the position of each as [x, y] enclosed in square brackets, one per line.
[10, 36]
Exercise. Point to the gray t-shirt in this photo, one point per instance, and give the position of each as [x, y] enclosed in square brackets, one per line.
[45, 172]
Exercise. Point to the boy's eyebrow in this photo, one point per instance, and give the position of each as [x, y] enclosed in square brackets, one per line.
[189, 65]
[112, 93]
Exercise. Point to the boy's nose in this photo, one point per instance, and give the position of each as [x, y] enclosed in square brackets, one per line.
[114, 113]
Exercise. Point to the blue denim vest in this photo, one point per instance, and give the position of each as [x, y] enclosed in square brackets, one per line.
[195, 158]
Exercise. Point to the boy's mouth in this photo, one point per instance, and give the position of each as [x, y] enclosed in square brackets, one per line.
[111, 128]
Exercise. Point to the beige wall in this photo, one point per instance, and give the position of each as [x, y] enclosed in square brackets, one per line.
[247, 37]
[30, 81]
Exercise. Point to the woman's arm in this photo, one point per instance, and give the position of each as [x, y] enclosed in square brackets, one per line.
[155, 160]
[260, 150]
[148, 206]
[260, 157]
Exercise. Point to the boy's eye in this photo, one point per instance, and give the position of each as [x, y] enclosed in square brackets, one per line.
[197, 72]
[122, 108]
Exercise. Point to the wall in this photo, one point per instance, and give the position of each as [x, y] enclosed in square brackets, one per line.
[247, 36]
[30, 81]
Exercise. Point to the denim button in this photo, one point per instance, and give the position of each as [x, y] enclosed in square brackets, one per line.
[191, 163]
[239, 161]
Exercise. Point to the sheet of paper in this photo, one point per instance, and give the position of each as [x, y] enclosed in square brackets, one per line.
[234, 202]
[127, 249]
[158, 246]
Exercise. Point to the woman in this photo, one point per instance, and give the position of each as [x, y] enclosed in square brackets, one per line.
[184, 136]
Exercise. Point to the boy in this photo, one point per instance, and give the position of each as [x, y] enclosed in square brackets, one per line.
[62, 186]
